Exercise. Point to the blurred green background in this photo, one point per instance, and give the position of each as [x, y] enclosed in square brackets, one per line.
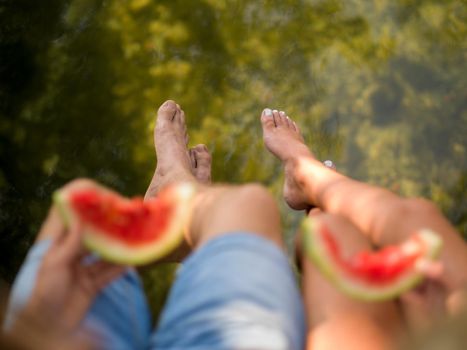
[377, 86]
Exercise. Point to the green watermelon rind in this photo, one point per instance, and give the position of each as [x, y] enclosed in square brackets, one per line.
[112, 250]
[355, 288]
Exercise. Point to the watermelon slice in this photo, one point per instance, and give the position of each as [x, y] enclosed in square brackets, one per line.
[127, 231]
[370, 276]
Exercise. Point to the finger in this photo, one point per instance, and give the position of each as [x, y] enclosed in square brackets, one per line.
[457, 301]
[79, 183]
[108, 275]
[314, 211]
[430, 269]
[99, 274]
[101, 267]
[52, 227]
[72, 247]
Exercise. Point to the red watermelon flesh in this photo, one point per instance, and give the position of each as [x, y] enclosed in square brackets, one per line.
[127, 231]
[370, 275]
[132, 220]
[381, 267]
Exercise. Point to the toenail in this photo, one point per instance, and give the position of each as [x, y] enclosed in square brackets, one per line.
[329, 164]
[275, 111]
[268, 112]
[282, 113]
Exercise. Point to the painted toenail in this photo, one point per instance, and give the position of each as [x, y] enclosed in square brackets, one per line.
[268, 112]
[282, 113]
[329, 164]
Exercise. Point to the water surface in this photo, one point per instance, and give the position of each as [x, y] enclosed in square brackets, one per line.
[379, 87]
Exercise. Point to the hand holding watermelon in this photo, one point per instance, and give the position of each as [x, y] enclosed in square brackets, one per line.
[238, 251]
[65, 286]
[369, 275]
[126, 231]
[374, 246]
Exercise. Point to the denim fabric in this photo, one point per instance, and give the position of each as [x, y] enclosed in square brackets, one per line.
[235, 292]
[119, 316]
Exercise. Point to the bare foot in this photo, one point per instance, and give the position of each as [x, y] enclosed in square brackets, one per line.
[282, 138]
[201, 163]
[170, 139]
[175, 162]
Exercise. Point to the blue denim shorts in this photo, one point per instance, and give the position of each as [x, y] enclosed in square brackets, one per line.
[236, 292]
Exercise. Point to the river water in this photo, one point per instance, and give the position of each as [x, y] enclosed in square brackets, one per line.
[379, 87]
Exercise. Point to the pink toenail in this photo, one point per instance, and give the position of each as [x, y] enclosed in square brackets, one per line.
[267, 112]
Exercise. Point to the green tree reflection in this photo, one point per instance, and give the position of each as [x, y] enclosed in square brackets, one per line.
[378, 86]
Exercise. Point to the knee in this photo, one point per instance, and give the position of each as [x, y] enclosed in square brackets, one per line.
[412, 208]
[247, 208]
[257, 206]
[256, 195]
[401, 218]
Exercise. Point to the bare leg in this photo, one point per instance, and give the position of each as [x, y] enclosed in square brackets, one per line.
[174, 160]
[385, 217]
[170, 139]
[218, 209]
[282, 138]
[336, 321]
[382, 216]
[259, 295]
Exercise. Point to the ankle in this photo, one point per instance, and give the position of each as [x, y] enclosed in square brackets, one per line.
[172, 171]
[300, 151]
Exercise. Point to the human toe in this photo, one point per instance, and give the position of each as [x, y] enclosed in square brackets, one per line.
[202, 154]
[286, 120]
[267, 119]
[167, 110]
[278, 120]
[191, 153]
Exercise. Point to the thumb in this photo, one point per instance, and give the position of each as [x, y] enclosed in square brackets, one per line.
[430, 269]
[72, 247]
